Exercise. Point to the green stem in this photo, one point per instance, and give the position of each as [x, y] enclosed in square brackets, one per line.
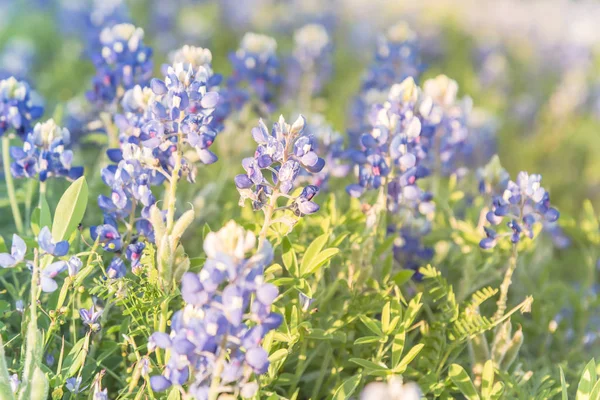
[512, 265]
[269, 211]
[10, 186]
[162, 327]
[213, 391]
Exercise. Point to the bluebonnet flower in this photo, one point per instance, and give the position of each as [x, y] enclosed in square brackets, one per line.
[310, 66]
[124, 62]
[44, 154]
[48, 274]
[19, 107]
[14, 383]
[17, 253]
[396, 59]
[107, 235]
[134, 254]
[19, 306]
[181, 114]
[73, 385]
[74, 264]
[194, 57]
[116, 269]
[47, 244]
[91, 318]
[50, 359]
[523, 203]
[255, 72]
[394, 142]
[392, 157]
[227, 315]
[282, 153]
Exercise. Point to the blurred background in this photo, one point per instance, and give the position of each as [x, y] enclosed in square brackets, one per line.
[531, 67]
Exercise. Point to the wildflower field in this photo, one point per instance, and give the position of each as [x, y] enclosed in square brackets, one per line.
[288, 199]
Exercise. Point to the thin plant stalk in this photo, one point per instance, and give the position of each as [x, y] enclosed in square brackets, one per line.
[10, 185]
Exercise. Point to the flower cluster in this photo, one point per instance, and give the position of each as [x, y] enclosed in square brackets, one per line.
[123, 63]
[158, 122]
[396, 59]
[311, 64]
[392, 151]
[283, 153]
[255, 72]
[393, 157]
[524, 203]
[217, 336]
[195, 57]
[45, 154]
[19, 107]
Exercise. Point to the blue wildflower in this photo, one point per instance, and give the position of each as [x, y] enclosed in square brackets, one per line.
[124, 62]
[255, 71]
[19, 107]
[525, 203]
[91, 318]
[284, 152]
[47, 244]
[17, 253]
[228, 310]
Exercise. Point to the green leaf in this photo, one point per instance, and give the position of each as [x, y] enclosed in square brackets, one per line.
[5, 389]
[401, 367]
[312, 251]
[595, 391]
[461, 379]
[35, 221]
[587, 381]
[70, 210]
[278, 355]
[368, 365]
[174, 394]
[347, 388]
[41, 216]
[487, 380]
[403, 276]
[367, 339]
[563, 385]
[385, 318]
[398, 346]
[290, 261]
[320, 260]
[45, 213]
[372, 325]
